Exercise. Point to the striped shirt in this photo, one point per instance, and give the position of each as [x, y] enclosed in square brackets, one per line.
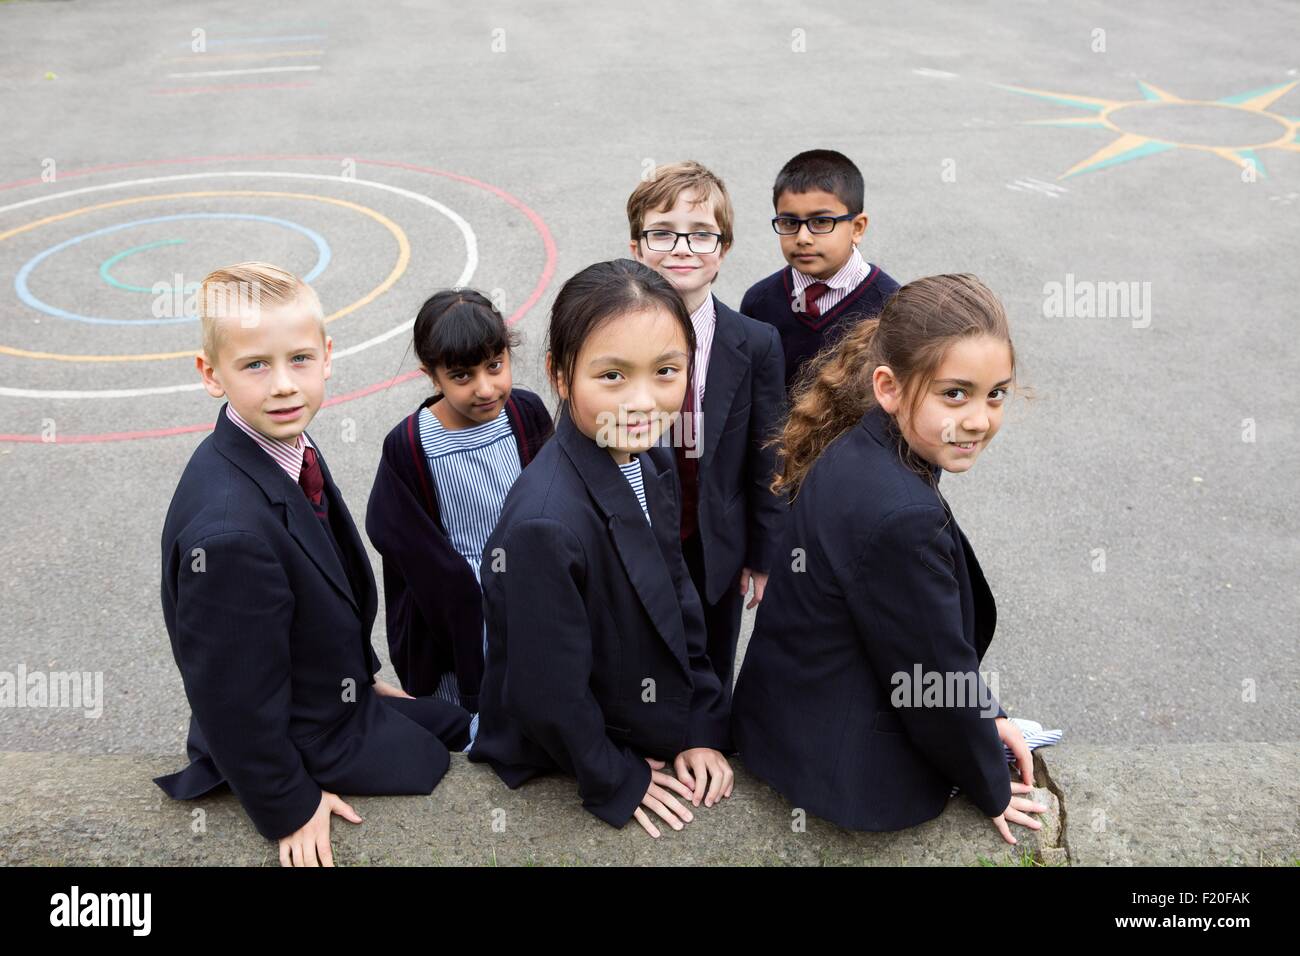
[841, 284]
[705, 320]
[287, 456]
[473, 469]
[632, 472]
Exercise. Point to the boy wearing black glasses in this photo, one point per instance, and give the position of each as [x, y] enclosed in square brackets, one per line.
[827, 285]
[680, 223]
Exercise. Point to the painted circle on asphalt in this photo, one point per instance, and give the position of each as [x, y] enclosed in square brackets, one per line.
[29, 298]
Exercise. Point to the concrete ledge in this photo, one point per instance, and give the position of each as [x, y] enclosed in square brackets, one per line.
[1195, 804]
[1180, 805]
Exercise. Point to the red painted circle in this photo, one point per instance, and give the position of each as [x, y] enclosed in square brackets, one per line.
[548, 270]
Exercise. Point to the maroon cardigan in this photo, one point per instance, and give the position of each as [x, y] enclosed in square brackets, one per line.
[433, 604]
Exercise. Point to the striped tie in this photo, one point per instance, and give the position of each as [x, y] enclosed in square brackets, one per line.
[810, 296]
[311, 479]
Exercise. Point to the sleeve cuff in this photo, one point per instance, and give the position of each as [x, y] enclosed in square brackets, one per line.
[618, 809]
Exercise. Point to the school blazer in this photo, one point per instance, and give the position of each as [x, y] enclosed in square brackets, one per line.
[273, 645]
[596, 642]
[744, 403]
[432, 604]
[876, 577]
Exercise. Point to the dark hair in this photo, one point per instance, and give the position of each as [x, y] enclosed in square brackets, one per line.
[824, 170]
[911, 335]
[460, 328]
[605, 291]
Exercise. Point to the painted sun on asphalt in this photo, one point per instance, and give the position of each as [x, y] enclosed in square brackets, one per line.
[1236, 128]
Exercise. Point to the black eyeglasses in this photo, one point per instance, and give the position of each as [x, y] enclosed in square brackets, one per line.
[818, 225]
[665, 240]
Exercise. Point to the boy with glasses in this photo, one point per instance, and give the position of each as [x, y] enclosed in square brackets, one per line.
[681, 226]
[827, 285]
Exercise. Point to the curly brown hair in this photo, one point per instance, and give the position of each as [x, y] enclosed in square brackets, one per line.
[910, 336]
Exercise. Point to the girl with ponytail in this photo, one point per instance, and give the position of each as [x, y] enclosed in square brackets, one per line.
[860, 698]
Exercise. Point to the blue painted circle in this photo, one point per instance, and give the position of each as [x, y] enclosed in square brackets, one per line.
[25, 294]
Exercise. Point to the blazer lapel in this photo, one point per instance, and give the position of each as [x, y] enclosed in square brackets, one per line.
[639, 549]
[985, 610]
[727, 365]
[300, 520]
[368, 602]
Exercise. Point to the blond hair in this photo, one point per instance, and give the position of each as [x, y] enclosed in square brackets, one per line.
[661, 190]
[245, 288]
[910, 336]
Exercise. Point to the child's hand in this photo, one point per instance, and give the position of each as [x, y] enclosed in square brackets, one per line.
[760, 585]
[1010, 735]
[1016, 812]
[658, 799]
[702, 767]
[384, 689]
[310, 843]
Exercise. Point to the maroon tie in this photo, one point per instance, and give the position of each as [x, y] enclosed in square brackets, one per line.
[311, 478]
[810, 296]
[688, 466]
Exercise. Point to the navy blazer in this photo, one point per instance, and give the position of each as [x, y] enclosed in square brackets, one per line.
[739, 518]
[432, 603]
[876, 578]
[596, 644]
[267, 630]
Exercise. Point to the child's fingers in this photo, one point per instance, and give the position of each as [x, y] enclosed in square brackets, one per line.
[1024, 762]
[285, 859]
[305, 854]
[344, 810]
[1001, 824]
[700, 770]
[1016, 816]
[654, 764]
[323, 849]
[1020, 750]
[683, 772]
[668, 800]
[646, 825]
[663, 812]
[672, 783]
[715, 786]
[1027, 806]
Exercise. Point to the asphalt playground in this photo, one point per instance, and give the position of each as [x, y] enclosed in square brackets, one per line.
[1125, 176]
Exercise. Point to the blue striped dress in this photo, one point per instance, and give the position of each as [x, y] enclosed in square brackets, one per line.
[473, 469]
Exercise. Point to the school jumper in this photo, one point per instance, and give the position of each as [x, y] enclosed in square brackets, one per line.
[803, 334]
[433, 602]
[596, 645]
[878, 579]
[730, 518]
[269, 601]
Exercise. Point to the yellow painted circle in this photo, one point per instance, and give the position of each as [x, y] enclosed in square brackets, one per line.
[399, 267]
